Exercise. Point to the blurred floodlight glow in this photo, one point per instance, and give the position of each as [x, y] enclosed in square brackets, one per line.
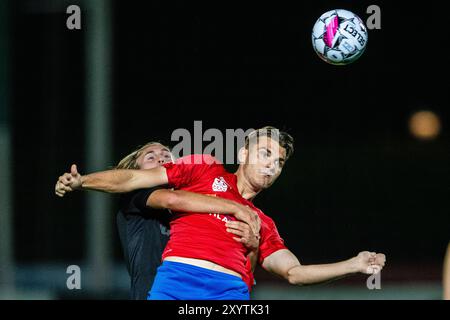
[424, 125]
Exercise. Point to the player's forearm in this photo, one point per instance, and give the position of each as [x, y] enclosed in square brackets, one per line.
[114, 181]
[184, 201]
[124, 180]
[314, 274]
[253, 256]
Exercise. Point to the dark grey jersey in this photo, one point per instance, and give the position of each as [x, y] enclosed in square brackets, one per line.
[144, 233]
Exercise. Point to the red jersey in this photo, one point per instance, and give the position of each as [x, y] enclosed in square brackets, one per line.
[204, 236]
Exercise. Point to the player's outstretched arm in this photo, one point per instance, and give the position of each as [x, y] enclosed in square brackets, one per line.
[113, 181]
[285, 264]
[185, 201]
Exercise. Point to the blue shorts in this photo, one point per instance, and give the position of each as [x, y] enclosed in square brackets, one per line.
[181, 281]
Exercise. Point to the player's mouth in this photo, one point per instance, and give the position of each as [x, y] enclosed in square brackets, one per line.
[266, 172]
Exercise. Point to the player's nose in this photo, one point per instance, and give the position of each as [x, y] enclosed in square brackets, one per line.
[271, 167]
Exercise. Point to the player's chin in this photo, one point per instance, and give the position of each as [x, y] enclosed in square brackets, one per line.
[266, 182]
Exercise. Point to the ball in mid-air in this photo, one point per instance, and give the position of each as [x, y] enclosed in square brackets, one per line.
[339, 37]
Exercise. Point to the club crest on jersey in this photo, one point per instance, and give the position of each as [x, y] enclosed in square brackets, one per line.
[219, 185]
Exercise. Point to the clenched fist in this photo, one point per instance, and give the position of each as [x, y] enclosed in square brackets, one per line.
[369, 262]
[68, 182]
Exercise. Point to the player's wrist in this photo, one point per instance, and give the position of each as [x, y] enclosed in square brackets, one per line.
[352, 265]
[254, 246]
[82, 183]
[235, 208]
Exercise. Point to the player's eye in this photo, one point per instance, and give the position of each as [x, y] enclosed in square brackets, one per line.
[263, 153]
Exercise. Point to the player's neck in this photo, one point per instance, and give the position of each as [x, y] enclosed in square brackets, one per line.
[245, 188]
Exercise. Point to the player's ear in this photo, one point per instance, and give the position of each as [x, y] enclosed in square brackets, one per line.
[242, 155]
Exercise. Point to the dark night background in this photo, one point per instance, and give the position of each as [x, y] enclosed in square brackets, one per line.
[358, 179]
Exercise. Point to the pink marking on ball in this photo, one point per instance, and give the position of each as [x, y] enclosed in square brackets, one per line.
[331, 31]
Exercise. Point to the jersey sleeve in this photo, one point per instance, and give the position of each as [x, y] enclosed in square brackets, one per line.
[270, 239]
[188, 170]
[136, 201]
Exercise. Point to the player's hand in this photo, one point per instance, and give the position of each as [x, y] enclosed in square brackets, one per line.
[68, 182]
[249, 216]
[369, 262]
[245, 234]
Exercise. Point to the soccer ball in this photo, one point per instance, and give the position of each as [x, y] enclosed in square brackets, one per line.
[339, 37]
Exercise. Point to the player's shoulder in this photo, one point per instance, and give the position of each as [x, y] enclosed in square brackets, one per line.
[200, 159]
